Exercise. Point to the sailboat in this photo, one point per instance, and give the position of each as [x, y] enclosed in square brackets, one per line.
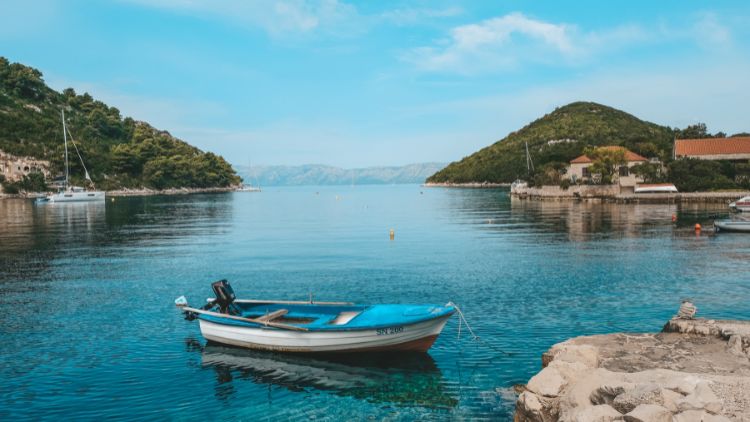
[70, 193]
[521, 184]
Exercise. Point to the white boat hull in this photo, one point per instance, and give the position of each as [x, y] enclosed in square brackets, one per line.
[732, 226]
[661, 188]
[413, 337]
[84, 196]
[742, 204]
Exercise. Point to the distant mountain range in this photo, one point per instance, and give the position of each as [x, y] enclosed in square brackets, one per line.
[318, 174]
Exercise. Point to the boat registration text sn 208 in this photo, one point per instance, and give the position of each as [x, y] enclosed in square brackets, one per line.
[389, 330]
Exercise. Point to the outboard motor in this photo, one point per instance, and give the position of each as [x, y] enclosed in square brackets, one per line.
[224, 297]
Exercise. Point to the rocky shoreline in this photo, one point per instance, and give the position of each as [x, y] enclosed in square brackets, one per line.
[472, 185]
[693, 370]
[134, 192]
[175, 191]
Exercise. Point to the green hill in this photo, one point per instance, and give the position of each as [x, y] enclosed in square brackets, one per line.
[557, 138]
[119, 152]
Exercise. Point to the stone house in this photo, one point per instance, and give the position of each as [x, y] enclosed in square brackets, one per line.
[579, 168]
[735, 148]
[14, 168]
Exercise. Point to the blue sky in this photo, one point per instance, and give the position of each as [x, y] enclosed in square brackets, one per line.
[384, 83]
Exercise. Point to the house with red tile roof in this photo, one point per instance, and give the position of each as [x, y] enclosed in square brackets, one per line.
[579, 167]
[734, 148]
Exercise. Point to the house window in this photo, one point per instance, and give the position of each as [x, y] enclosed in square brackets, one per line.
[585, 172]
[624, 171]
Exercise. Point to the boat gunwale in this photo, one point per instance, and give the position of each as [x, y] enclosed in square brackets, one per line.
[447, 311]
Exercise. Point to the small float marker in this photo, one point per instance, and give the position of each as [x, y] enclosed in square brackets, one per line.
[392, 234]
[697, 227]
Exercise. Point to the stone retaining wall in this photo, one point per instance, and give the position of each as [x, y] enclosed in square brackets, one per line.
[613, 194]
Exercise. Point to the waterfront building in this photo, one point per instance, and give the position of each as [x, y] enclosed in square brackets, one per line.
[735, 148]
[579, 168]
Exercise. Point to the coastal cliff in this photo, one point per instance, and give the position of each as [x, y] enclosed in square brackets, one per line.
[694, 370]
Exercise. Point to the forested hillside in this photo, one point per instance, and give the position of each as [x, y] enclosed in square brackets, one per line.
[555, 139]
[568, 131]
[119, 152]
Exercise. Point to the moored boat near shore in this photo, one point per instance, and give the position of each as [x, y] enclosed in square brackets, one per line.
[71, 193]
[742, 204]
[656, 188]
[732, 225]
[288, 326]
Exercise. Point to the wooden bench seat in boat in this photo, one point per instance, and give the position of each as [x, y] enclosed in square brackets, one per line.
[273, 315]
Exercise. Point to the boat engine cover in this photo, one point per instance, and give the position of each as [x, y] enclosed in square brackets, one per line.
[224, 295]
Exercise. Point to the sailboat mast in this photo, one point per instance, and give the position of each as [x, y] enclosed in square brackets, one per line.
[65, 140]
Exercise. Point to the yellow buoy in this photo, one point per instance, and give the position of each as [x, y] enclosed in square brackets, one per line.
[392, 234]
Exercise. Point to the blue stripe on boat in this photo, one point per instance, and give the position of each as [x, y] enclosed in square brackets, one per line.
[369, 318]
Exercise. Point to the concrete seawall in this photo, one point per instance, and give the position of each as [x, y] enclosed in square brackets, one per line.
[694, 370]
[613, 194]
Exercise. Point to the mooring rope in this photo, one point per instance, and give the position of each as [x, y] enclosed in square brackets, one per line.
[462, 319]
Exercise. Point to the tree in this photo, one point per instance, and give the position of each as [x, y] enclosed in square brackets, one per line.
[33, 182]
[606, 161]
[690, 175]
[649, 172]
[696, 131]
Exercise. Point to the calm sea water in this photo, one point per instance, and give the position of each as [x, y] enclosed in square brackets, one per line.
[89, 329]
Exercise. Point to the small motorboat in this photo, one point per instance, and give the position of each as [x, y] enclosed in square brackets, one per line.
[288, 326]
[732, 225]
[656, 188]
[742, 204]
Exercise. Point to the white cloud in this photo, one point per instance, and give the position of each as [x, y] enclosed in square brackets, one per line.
[410, 16]
[491, 44]
[510, 41]
[275, 17]
[710, 32]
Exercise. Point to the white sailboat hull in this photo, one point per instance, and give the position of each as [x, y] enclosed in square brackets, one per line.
[412, 337]
[84, 196]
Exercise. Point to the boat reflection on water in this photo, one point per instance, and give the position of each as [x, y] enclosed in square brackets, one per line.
[404, 379]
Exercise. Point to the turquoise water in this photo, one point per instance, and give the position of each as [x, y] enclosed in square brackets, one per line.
[89, 328]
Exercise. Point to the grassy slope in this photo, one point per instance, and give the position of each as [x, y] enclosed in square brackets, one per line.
[589, 124]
